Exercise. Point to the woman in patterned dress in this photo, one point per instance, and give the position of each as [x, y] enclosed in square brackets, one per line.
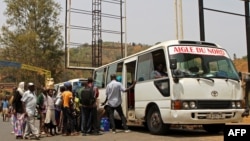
[18, 115]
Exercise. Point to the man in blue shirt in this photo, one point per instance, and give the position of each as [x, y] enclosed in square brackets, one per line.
[114, 101]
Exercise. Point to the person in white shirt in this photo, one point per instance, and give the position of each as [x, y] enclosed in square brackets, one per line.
[29, 105]
[114, 101]
[50, 120]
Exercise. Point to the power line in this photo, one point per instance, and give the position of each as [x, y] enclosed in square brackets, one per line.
[225, 12]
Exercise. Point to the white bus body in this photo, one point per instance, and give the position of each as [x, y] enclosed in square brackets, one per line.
[210, 95]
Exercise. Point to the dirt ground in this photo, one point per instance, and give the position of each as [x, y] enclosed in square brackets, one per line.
[246, 120]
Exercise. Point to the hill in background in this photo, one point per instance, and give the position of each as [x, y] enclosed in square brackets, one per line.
[241, 65]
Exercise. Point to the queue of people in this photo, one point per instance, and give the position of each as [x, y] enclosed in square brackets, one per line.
[87, 107]
[65, 112]
[24, 103]
[68, 112]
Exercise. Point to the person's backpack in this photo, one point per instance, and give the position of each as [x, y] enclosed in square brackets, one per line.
[88, 96]
[78, 93]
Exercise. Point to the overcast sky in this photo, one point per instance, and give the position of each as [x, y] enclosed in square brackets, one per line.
[152, 21]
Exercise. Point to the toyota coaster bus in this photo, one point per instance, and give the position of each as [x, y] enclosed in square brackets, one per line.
[202, 86]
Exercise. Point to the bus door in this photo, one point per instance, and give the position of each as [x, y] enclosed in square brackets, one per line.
[130, 67]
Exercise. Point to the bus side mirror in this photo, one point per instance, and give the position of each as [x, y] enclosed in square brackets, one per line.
[173, 64]
[240, 75]
[246, 78]
[173, 67]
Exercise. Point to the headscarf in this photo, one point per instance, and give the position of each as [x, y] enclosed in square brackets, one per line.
[20, 88]
[119, 78]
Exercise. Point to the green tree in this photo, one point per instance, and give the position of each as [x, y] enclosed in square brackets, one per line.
[32, 35]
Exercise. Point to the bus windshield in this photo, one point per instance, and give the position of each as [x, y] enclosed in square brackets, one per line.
[202, 62]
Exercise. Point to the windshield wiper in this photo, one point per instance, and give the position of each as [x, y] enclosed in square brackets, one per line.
[233, 80]
[205, 78]
[226, 79]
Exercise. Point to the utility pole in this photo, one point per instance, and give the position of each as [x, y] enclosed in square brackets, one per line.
[247, 21]
[247, 90]
[125, 30]
[201, 18]
[178, 19]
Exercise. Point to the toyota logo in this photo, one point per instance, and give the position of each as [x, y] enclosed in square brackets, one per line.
[214, 93]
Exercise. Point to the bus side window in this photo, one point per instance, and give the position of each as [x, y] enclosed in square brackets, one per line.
[100, 78]
[145, 67]
[159, 64]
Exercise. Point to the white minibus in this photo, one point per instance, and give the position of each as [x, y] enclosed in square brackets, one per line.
[201, 86]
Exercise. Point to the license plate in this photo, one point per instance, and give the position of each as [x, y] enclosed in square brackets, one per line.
[214, 116]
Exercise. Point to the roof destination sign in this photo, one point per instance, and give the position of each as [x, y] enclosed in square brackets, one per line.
[197, 50]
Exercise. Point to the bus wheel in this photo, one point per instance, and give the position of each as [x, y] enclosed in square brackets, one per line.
[213, 128]
[154, 121]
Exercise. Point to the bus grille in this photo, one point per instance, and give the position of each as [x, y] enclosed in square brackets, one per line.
[214, 105]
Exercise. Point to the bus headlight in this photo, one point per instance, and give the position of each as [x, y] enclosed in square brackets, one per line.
[185, 105]
[192, 105]
[238, 104]
[233, 104]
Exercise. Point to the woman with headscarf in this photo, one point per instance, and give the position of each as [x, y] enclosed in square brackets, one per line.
[18, 112]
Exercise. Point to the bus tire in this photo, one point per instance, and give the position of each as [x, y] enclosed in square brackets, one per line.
[154, 121]
[213, 128]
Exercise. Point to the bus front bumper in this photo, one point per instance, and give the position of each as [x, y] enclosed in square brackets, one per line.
[202, 116]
